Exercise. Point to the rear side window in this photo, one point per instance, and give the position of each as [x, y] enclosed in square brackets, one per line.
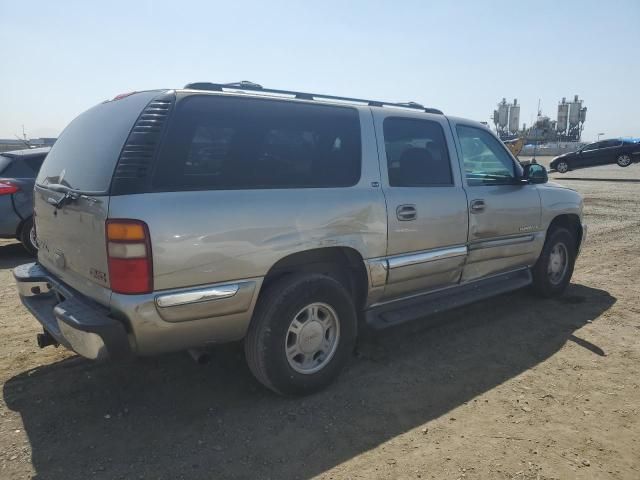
[217, 142]
[611, 143]
[416, 153]
[86, 153]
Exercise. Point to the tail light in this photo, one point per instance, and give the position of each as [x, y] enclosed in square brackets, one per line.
[129, 256]
[7, 187]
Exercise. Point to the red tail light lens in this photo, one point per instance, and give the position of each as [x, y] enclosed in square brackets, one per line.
[8, 188]
[129, 256]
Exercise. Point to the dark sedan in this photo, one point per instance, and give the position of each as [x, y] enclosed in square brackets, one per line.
[622, 152]
[18, 171]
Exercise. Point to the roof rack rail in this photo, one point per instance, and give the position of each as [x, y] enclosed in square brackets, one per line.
[254, 87]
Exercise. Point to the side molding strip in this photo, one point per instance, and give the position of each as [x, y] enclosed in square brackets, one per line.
[502, 242]
[423, 257]
[195, 296]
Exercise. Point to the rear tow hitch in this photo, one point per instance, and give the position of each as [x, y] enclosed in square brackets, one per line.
[45, 339]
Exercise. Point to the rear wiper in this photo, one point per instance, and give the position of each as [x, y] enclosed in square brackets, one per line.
[70, 195]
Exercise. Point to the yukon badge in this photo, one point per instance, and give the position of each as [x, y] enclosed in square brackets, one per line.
[528, 228]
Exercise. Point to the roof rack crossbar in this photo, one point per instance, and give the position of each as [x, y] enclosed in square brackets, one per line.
[254, 87]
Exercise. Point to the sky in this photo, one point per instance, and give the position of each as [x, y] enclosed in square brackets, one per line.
[59, 58]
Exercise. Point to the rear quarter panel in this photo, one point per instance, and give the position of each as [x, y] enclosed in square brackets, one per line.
[202, 237]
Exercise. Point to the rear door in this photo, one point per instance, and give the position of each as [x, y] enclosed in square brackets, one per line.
[609, 151]
[589, 155]
[505, 231]
[426, 204]
[71, 234]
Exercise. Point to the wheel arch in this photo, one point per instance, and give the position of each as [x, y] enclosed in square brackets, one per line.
[571, 222]
[345, 264]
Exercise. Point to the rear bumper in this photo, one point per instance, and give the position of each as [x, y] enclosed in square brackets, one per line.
[73, 320]
[146, 324]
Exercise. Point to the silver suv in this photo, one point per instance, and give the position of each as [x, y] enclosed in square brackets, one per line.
[174, 219]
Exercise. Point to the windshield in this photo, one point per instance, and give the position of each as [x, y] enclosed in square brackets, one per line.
[85, 155]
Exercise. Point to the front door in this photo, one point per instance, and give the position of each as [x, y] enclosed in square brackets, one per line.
[426, 203]
[505, 231]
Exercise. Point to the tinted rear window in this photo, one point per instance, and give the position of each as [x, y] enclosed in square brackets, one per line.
[217, 142]
[87, 151]
[4, 163]
[18, 168]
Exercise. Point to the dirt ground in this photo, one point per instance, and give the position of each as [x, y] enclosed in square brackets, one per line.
[510, 388]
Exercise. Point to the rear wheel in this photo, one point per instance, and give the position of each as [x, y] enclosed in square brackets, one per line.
[27, 236]
[301, 334]
[562, 166]
[624, 160]
[552, 272]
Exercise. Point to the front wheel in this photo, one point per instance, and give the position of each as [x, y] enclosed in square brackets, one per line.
[623, 160]
[301, 334]
[552, 272]
[562, 166]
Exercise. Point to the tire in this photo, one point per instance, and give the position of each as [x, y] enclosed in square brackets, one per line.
[623, 160]
[562, 166]
[27, 237]
[552, 272]
[285, 308]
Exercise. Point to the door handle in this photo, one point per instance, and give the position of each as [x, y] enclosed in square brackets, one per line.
[406, 212]
[477, 206]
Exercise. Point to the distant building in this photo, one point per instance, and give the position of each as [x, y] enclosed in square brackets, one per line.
[7, 144]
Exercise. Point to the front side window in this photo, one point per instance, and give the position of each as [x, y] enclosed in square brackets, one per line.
[486, 161]
[592, 146]
[219, 142]
[416, 153]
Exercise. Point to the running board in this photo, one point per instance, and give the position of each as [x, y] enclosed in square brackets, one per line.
[406, 310]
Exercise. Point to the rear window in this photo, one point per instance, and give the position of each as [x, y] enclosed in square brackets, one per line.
[85, 155]
[35, 162]
[4, 163]
[217, 142]
[18, 168]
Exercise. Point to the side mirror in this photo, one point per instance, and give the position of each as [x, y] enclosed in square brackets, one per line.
[535, 173]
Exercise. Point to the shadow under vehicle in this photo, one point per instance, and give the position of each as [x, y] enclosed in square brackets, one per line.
[163, 418]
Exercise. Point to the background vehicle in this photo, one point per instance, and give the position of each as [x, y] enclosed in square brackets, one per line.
[18, 170]
[622, 152]
[233, 212]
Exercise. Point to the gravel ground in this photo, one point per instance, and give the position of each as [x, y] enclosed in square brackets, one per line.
[510, 388]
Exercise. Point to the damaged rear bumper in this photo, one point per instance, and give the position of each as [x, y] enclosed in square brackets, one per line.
[73, 320]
